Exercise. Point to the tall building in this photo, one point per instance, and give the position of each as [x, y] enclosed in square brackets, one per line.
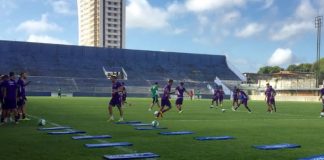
[102, 23]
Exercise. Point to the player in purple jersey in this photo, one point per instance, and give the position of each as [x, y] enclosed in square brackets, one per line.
[272, 98]
[22, 83]
[235, 98]
[322, 98]
[115, 99]
[180, 91]
[221, 96]
[270, 94]
[123, 94]
[243, 99]
[267, 94]
[215, 97]
[165, 100]
[4, 78]
[10, 94]
[1, 97]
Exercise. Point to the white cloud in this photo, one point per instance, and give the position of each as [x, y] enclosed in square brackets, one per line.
[175, 8]
[301, 22]
[45, 39]
[140, 14]
[267, 4]
[38, 26]
[305, 10]
[231, 17]
[281, 57]
[291, 30]
[63, 7]
[250, 30]
[207, 5]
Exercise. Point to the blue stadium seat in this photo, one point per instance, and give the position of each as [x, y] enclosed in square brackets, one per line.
[79, 69]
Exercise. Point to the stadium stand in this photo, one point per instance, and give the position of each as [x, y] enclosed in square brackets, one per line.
[79, 68]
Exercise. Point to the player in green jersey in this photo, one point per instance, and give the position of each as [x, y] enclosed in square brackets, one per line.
[155, 95]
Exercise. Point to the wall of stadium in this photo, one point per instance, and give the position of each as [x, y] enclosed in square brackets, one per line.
[78, 69]
[78, 61]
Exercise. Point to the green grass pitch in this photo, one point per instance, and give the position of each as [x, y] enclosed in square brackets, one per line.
[295, 122]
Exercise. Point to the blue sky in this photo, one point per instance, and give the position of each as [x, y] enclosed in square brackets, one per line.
[251, 33]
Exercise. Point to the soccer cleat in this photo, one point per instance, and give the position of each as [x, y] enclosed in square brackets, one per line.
[180, 111]
[149, 109]
[159, 115]
[121, 119]
[111, 119]
[233, 109]
[211, 106]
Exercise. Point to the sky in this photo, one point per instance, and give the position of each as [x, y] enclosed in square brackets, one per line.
[251, 33]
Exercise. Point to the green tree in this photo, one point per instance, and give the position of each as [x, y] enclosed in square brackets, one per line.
[292, 68]
[304, 67]
[269, 69]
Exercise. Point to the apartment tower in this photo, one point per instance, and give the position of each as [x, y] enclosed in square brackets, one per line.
[102, 23]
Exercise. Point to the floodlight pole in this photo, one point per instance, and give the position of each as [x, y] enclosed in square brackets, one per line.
[318, 25]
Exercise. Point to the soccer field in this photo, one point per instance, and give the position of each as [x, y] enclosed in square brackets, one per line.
[295, 122]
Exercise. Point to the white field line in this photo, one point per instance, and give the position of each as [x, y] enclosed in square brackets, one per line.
[232, 120]
[274, 113]
[124, 149]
